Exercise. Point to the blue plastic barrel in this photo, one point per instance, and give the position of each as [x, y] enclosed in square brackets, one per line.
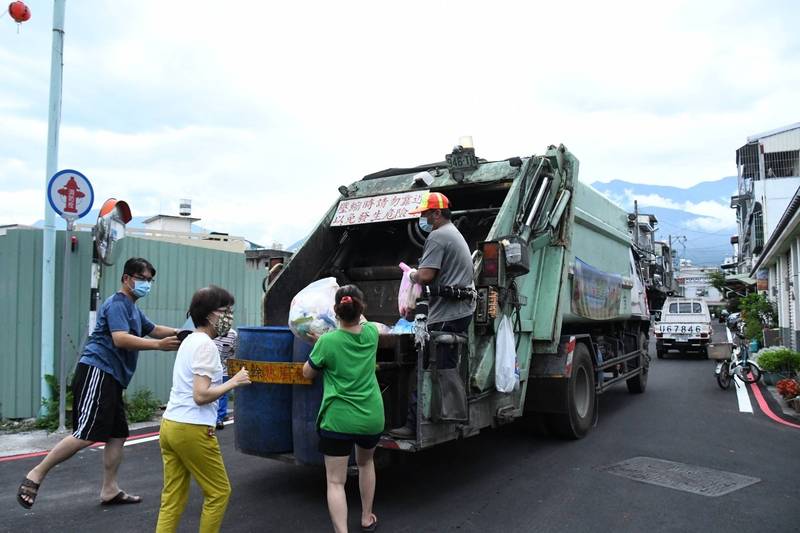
[753, 346]
[306, 400]
[263, 412]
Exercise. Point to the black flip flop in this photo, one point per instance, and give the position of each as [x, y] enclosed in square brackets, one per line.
[27, 488]
[373, 526]
[122, 498]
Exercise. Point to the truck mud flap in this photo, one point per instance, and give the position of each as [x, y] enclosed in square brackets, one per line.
[545, 391]
[559, 365]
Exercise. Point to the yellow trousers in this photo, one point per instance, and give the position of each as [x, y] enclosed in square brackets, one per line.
[189, 451]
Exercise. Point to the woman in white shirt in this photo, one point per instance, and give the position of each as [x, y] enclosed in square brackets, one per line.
[188, 440]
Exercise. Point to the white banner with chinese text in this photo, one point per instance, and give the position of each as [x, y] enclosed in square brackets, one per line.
[383, 208]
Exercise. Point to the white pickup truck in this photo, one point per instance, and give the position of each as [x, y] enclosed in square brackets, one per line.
[684, 325]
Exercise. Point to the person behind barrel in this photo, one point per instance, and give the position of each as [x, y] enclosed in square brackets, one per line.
[352, 408]
[446, 268]
[189, 446]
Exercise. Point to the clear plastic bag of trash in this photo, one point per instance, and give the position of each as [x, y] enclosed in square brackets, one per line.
[383, 329]
[311, 310]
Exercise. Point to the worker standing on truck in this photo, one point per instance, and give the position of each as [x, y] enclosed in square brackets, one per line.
[446, 269]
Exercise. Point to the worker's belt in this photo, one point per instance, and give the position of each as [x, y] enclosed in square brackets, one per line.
[454, 293]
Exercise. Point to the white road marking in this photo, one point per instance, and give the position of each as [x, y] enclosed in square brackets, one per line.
[140, 441]
[741, 388]
[741, 394]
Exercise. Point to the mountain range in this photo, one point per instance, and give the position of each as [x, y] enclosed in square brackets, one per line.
[698, 219]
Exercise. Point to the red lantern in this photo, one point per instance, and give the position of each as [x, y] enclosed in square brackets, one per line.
[19, 12]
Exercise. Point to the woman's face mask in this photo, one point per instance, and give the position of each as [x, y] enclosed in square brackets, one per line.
[223, 323]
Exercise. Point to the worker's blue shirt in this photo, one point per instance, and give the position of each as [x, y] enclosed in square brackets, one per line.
[118, 313]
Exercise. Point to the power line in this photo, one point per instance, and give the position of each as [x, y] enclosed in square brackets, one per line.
[684, 228]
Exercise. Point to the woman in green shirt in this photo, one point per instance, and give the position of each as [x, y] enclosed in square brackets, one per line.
[352, 407]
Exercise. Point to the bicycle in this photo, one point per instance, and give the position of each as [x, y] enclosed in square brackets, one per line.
[741, 367]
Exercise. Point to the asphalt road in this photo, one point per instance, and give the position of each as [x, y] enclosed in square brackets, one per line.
[502, 480]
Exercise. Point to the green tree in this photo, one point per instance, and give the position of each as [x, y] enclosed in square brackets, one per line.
[717, 280]
[757, 312]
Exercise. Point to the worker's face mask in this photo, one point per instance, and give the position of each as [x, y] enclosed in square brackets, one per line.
[424, 225]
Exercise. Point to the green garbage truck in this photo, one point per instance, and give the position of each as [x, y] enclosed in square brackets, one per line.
[550, 254]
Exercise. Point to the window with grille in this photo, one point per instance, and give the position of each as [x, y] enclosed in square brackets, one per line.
[758, 229]
[781, 164]
[747, 160]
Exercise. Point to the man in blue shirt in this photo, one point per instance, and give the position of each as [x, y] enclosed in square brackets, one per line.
[104, 370]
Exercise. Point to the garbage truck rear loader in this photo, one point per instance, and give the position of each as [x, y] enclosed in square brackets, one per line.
[549, 253]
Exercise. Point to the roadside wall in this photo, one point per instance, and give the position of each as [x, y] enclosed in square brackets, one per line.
[181, 269]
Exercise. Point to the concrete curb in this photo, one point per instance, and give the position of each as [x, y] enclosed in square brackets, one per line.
[28, 442]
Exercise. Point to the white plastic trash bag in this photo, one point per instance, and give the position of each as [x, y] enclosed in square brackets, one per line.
[408, 293]
[311, 310]
[505, 357]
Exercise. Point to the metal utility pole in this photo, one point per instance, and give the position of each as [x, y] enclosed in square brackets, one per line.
[49, 238]
[65, 301]
[671, 255]
[681, 239]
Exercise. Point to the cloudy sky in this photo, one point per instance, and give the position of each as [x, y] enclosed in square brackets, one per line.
[258, 111]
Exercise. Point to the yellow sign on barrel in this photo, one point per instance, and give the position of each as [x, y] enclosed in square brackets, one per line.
[270, 372]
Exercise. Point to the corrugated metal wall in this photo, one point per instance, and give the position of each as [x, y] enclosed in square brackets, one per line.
[20, 289]
[180, 271]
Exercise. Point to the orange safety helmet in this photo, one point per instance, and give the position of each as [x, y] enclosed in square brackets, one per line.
[432, 200]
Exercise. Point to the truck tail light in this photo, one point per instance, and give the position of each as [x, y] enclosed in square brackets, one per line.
[491, 259]
[704, 335]
[659, 334]
[493, 268]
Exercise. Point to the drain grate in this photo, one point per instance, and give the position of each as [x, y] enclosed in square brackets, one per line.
[680, 476]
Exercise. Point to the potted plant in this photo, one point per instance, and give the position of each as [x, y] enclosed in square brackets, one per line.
[778, 362]
[789, 389]
[758, 314]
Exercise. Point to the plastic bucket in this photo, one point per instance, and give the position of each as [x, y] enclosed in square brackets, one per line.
[306, 400]
[263, 412]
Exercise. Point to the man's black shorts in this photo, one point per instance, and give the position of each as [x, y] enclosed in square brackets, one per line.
[341, 445]
[98, 412]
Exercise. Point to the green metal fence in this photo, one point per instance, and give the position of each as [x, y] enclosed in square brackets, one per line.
[181, 269]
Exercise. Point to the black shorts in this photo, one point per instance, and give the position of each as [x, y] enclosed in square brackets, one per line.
[98, 412]
[341, 445]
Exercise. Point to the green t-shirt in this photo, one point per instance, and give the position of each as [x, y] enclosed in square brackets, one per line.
[351, 399]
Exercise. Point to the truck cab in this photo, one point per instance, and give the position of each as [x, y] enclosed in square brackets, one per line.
[685, 325]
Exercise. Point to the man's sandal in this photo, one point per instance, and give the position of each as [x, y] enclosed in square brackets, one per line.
[27, 488]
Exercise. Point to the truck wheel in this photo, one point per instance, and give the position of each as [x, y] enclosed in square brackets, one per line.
[637, 384]
[579, 394]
